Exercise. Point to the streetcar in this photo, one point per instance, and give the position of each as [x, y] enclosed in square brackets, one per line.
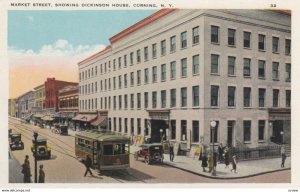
[107, 150]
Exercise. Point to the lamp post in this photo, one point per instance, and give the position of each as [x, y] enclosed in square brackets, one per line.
[35, 135]
[213, 126]
[161, 139]
[282, 133]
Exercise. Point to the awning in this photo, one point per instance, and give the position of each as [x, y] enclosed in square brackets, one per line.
[84, 117]
[38, 115]
[47, 118]
[98, 120]
[27, 117]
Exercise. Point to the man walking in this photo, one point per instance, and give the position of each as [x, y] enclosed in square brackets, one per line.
[283, 156]
[41, 175]
[88, 165]
[26, 170]
[171, 151]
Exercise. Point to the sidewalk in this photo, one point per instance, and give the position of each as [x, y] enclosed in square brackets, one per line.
[244, 168]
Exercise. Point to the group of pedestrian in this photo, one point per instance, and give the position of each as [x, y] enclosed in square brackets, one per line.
[27, 172]
[223, 155]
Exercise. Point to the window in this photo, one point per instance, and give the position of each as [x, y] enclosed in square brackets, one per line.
[126, 125]
[138, 56]
[132, 126]
[195, 64]
[154, 51]
[195, 131]
[125, 80]
[154, 99]
[261, 130]
[138, 126]
[154, 74]
[183, 130]
[247, 96]
[173, 44]
[275, 44]
[96, 70]
[115, 124]
[114, 64]
[214, 64]
[115, 102]
[275, 71]
[146, 75]
[231, 37]
[214, 34]
[184, 97]
[131, 78]
[131, 58]
[173, 70]
[147, 126]
[261, 97]
[288, 98]
[261, 68]
[120, 101]
[146, 53]
[214, 100]
[163, 47]
[288, 72]
[139, 77]
[120, 81]
[231, 96]
[120, 125]
[120, 63]
[261, 42]
[196, 35]
[184, 67]
[125, 60]
[247, 131]
[131, 101]
[287, 46]
[231, 66]
[247, 38]
[138, 100]
[173, 129]
[114, 82]
[275, 97]
[247, 67]
[96, 86]
[163, 72]
[195, 96]
[214, 133]
[173, 97]
[125, 101]
[146, 100]
[183, 40]
[163, 95]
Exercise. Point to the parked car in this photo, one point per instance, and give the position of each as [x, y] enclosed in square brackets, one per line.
[15, 141]
[43, 150]
[152, 152]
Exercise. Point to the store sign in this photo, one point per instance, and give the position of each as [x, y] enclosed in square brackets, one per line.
[159, 115]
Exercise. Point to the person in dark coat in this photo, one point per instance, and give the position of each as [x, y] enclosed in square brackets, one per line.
[26, 170]
[204, 162]
[220, 153]
[283, 158]
[171, 151]
[226, 158]
[41, 175]
[88, 165]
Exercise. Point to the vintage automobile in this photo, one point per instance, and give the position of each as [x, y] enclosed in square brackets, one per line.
[152, 152]
[43, 150]
[15, 141]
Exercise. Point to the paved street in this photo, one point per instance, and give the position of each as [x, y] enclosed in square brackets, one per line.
[64, 167]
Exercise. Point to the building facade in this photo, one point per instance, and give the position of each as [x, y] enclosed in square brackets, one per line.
[24, 105]
[39, 95]
[12, 107]
[68, 99]
[51, 92]
[171, 74]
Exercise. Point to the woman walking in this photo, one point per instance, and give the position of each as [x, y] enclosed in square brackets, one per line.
[234, 163]
[204, 162]
[210, 162]
[226, 158]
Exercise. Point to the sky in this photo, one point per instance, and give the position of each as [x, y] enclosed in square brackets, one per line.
[45, 44]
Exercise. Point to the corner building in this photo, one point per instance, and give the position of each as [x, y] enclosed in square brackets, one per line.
[174, 72]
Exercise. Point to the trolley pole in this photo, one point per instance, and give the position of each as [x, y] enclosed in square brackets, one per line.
[35, 135]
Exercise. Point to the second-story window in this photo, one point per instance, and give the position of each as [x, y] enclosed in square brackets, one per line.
[261, 68]
[131, 78]
[288, 72]
[214, 64]
[139, 77]
[146, 75]
[247, 67]
[275, 71]
[154, 74]
[173, 70]
[163, 72]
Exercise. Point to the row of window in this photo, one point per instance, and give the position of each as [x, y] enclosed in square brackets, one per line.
[68, 103]
[247, 39]
[122, 100]
[247, 71]
[122, 61]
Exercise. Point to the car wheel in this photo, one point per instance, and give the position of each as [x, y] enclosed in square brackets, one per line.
[136, 156]
[147, 160]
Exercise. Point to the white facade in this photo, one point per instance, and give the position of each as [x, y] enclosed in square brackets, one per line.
[102, 77]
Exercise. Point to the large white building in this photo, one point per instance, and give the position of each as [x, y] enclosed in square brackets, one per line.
[178, 70]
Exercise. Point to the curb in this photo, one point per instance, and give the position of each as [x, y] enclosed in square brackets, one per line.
[225, 178]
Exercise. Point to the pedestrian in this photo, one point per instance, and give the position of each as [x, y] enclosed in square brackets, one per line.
[204, 162]
[234, 164]
[171, 151]
[220, 153]
[41, 174]
[88, 165]
[283, 158]
[26, 170]
[226, 157]
[209, 162]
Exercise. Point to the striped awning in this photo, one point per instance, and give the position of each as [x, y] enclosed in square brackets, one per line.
[84, 117]
[98, 120]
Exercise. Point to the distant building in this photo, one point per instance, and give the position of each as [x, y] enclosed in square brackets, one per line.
[25, 104]
[12, 107]
[51, 92]
[171, 74]
[39, 95]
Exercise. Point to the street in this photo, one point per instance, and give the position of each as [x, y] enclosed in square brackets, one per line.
[64, 167]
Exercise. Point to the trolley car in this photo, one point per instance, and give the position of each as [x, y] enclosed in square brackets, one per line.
[107, 150]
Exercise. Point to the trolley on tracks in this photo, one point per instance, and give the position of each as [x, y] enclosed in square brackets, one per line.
[107, 150]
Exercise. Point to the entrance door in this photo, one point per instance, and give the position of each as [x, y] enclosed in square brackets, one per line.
[277, 128]
[230, 132]
[156, 135]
